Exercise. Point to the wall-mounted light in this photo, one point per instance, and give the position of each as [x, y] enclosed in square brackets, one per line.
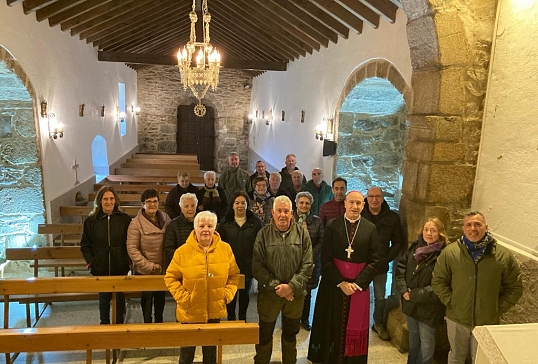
[323, 129]
[250, 117]
[55, 129]
[135, 109]
[43, 109]
[121, 116]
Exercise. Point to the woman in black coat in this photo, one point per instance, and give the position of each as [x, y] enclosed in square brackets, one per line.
[239, 230]
[423, 309]
[212, 197]
[104, 247]
[305, 217]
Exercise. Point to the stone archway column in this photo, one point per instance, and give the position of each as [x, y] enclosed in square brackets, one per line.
[450, 45]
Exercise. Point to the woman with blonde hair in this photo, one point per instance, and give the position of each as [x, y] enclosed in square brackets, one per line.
[423, 309]
[202, 278]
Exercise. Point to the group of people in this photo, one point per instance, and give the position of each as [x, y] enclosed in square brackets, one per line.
[286, 233]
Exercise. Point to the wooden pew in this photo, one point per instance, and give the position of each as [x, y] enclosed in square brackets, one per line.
[123, 188]
[106, 337]
[175, 167]
[153, 172]
[132, 198]
[178, 157]
[160, 161]
[62, 233]
[84, 211]
[85, 285]
[49, 257]
[168, 180]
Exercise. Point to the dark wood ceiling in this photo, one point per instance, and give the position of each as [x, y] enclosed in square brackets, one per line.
[256, 35]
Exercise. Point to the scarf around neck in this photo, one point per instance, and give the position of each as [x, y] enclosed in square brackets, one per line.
[476, 250]
[423, 250]
[302, 217]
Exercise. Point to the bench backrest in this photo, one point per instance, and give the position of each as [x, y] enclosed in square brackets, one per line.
[174, 166]
[129, 178]
[191, 157]
[48, 252]
[153, 172]
[85, 210]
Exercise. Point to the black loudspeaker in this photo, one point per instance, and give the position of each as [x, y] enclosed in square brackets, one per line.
[329, 147]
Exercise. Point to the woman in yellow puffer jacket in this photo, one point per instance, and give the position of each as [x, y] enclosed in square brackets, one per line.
[202, 278]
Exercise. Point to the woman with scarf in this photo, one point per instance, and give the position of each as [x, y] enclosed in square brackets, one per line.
[304, 216]
[211, 197]
[262, 203]
[423, 309]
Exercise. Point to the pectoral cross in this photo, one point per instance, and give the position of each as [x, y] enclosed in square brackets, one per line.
[349, 250]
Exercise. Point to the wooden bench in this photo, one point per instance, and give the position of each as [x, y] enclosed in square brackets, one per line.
[107, 337]
[167, 180]
[49, 257]
[154, 172]
[175, 167]
[160, 161]
[62, 233]
[178, 157]
[132, 198]
[84, 211]
[59, 288]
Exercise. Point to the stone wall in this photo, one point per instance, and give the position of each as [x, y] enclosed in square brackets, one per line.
[21, 192]
[371, 151]
[160, 93]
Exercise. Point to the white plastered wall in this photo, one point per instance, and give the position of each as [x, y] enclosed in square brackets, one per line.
[507, 174]
[314, 84]
[65, 72]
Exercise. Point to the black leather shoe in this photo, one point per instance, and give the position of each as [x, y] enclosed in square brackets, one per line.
[306, 325]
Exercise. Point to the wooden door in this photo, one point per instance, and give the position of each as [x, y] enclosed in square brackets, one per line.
[196, 135]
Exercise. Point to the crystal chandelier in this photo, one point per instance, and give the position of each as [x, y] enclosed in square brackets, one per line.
[205, 72]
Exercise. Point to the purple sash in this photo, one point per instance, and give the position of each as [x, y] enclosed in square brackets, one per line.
[359, 311]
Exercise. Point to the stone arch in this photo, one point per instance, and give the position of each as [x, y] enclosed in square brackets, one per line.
[450, 45]
[362, 156]
[21, 177]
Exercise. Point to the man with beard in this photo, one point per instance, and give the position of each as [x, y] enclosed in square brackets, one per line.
[335, 207]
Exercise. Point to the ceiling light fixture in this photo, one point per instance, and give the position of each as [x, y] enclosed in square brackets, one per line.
[207, 59]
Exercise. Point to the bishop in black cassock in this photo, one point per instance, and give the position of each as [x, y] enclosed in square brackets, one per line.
[349, 246]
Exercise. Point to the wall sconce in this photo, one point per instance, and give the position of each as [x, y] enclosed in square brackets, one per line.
[57, 129]
[250, 117]
[323, 129]
[121, 116]
[43, 109]
[135, 109]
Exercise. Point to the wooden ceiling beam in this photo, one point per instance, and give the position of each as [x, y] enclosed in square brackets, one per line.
[162, 43]
[74, 11]
[96, 14]
[247, 23]
[172, 61]
[265, 15]
[385, 8]
[254, 34]
[240, 46]
[322, 17]
[55, 8]
[346, 17]
[144, 31]
[125, 29]
[362, 11]
[135, 15]
[307, 23]
[29, 6]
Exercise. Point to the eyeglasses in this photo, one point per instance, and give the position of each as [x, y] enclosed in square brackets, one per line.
[152, 202]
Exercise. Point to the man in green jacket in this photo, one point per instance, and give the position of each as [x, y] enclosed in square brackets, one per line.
[478, 280]
[282, 264]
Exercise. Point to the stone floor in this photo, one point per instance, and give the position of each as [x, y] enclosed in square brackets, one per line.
[83, 313]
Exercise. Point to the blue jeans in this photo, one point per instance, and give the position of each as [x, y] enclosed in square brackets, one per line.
[379, 283]
[421, 342]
